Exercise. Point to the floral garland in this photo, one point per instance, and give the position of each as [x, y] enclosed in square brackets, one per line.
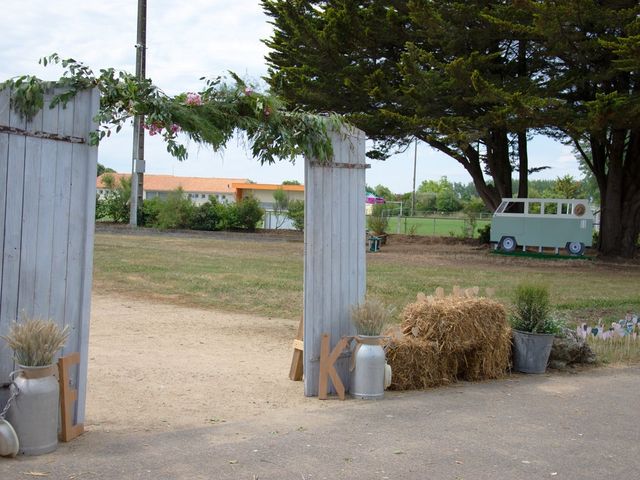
[210, 116]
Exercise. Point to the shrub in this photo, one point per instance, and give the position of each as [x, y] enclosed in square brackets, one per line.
[175, 212]
[116, 200]
[296, 214]
[148, 214]
[207, 216]
[378, 222]
[101, 211]
[280, 207]
[484, 234]
[532, 310]
[249, 213]
[228, 213]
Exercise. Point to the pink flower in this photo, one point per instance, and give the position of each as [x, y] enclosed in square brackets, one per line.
[193, 99]
[175, 128]
[267, 111]
[154, 128]
[248, 91]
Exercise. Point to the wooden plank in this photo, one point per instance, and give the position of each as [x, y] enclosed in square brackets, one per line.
[62, 198]
[91, 163]
[62, 159]
[45, 217]
[12, 235]
[30, 200]
[77, 238]
[5, 353]
[68, 399]
[297, 362]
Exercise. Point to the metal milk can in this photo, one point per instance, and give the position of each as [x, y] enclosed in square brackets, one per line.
[368, 368]
[34, 412]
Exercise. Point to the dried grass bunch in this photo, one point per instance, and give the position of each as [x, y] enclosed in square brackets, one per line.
[35, 341]
[444, 339]
[370, 317]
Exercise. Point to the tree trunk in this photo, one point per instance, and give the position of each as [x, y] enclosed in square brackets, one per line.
[498, 162]
[620, 208]
[523, 157]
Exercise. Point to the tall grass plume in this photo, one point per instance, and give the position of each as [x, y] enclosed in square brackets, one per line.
[370, 317]
[35, 341]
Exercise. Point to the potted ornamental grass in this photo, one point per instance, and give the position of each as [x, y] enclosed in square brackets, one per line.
[370, 373]
[35, 408]
[378, 223]
[534, 328]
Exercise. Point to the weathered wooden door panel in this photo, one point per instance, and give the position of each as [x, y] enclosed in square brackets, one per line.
[47, 205]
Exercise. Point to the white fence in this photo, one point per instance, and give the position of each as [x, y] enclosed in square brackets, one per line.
[47, 205]
[334, 242]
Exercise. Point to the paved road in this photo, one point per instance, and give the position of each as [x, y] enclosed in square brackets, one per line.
[565, 426]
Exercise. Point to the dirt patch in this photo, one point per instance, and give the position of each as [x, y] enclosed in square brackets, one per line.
[156, 366]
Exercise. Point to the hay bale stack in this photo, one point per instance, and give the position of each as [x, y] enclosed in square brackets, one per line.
[444, 339]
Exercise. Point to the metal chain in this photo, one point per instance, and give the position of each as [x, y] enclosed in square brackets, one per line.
[12, 397]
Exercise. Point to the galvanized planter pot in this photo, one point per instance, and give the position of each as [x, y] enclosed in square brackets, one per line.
[531, 351]
[34, 412]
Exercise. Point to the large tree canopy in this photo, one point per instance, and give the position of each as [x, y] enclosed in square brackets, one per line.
[437, 71]
[592, 65]
[472, 79]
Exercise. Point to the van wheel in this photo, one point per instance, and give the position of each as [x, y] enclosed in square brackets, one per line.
[508, 244]
[575, 248]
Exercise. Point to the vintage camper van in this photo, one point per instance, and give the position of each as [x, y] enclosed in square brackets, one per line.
[542, 222]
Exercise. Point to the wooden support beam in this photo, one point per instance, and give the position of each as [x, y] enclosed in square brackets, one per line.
[68, 398]
[328, 368]
[297, 362]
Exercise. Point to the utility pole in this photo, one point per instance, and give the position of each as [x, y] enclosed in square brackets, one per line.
[413, 194]
[137, 160]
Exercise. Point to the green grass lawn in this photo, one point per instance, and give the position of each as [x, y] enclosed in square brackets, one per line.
[265, 278]
[439, 226]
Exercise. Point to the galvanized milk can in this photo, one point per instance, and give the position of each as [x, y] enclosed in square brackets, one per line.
[368, 368]
[34, 412]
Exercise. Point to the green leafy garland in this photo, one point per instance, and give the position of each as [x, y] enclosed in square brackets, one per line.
[210, 116]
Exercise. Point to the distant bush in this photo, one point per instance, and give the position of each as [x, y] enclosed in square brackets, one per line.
[207, 216]
[228, 216]
[484, 234]
[148, 214]
[176, 211]
[115, 203]
[249, 213]
[296, 214]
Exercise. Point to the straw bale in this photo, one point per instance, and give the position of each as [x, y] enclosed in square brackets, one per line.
[449, 338]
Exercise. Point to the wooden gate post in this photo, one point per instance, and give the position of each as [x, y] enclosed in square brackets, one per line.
[334, 249]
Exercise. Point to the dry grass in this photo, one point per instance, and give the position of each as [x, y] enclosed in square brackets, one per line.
[35, 342]
[442, 340]
[616, 350]
[370, 317]
[265, 278]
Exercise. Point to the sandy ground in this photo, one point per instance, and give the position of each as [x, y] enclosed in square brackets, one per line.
[156, 366]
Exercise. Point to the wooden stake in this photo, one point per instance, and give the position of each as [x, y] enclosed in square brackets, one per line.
[328, 369]
[68, 398]
[297, 362]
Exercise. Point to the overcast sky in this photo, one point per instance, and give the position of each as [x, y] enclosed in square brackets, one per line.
[185, 41]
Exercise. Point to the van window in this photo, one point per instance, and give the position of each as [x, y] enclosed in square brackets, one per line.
[551, 208]
[534, 208]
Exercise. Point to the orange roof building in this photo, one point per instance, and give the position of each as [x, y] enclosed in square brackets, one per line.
[198, 189]
[263, 192]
